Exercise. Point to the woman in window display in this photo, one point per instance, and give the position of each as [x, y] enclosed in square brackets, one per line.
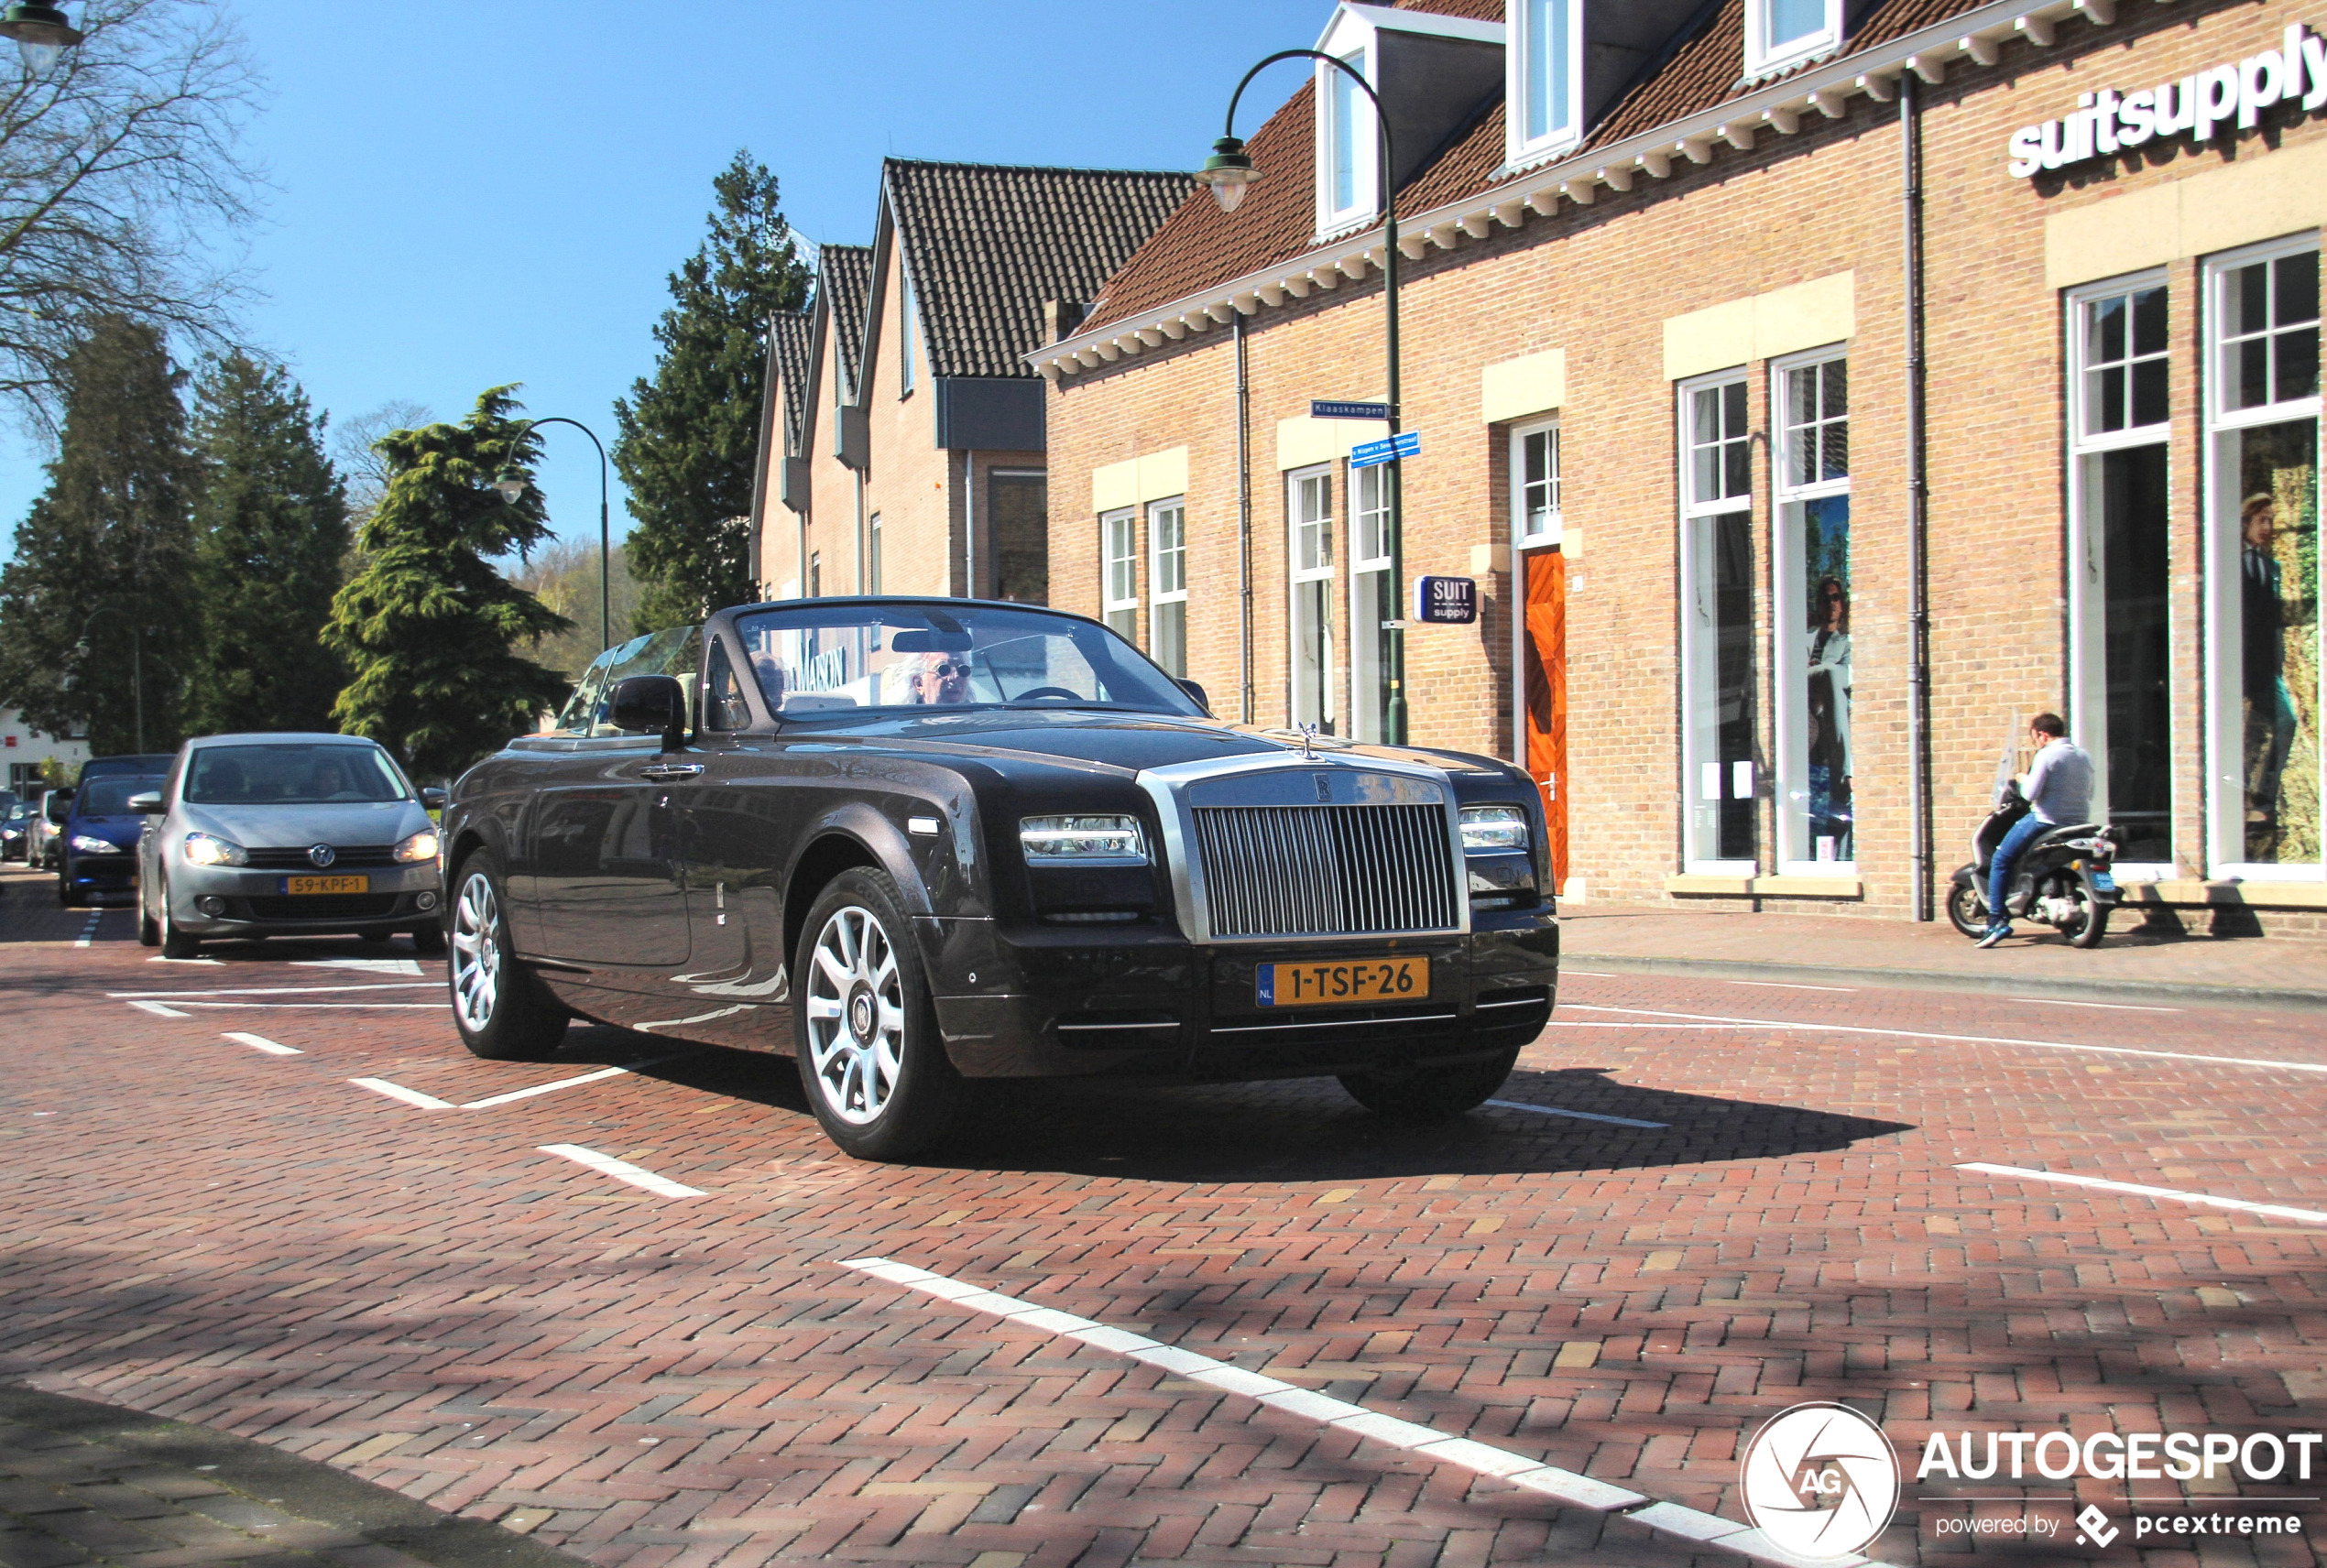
[1830, 717]
[2262, 625]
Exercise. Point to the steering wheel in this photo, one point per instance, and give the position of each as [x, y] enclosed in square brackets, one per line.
[1042, 691]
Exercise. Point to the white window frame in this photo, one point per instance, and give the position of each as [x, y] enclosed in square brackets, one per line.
[1789, 615]
[2224, 678]
[1296, 576]
[1553, 534]
[1366, 566]
[1365, 139]
[1696, 629]
[1157, 575]
[872, 555]
[2088, 586]
[1119, 568]
[905, 331]
[1765, 54]
[1519, 60]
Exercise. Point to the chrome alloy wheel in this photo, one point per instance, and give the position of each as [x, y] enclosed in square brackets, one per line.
[476, 952]
[856, 1016]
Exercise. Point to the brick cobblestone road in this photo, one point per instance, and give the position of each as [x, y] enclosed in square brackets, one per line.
[198, 1227]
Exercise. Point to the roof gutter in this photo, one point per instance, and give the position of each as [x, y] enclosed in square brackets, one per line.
[1824, 89]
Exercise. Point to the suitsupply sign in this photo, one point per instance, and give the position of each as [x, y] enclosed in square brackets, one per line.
[2200, 106]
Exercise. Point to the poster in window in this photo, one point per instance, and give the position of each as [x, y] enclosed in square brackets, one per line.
[2278, 636]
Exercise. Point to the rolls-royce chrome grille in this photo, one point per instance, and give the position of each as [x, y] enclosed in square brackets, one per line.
[1327, 870]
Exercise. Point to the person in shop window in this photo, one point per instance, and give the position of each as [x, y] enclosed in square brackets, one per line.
[2262, 631]
[1830, 649]
[2058, 788]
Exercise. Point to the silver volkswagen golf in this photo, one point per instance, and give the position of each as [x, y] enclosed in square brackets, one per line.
[287, 835]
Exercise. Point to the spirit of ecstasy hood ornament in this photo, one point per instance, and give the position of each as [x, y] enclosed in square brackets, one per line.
[1308, 743]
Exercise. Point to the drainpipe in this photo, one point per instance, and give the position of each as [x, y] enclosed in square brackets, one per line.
[860, 474]
[1918, 610]
[1244, 511]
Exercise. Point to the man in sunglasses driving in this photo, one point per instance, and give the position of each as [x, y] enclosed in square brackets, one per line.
[941, 677]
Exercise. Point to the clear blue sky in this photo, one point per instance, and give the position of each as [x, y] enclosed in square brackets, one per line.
[471, 194]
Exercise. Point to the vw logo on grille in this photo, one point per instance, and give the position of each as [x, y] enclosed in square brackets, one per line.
[323, 854]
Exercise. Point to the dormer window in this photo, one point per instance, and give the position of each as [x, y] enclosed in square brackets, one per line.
[1781, 33]
[1352, 144]
[1435, 73]
[1546, 82]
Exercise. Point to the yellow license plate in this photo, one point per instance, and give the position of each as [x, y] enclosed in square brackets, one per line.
[1344, 982]
[327, 884]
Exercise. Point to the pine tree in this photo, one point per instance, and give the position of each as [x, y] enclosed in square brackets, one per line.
[271, 537]
[689, 439]
[428, 627]
[95, 611]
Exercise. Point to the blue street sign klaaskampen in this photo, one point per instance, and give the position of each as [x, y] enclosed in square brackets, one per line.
[1337, 409]
[1405, 443]
[1445, 601]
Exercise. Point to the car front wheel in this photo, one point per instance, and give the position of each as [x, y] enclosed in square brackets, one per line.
[175, 943]
[1431, 1094]
[870, 1058]
[497, 1008]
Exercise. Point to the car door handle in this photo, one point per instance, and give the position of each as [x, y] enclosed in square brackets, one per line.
[664, 772]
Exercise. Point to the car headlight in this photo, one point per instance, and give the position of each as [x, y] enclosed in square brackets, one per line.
[1081, 839]
[201, 849]
[82, 844]
[420, 846]
[1494, 830]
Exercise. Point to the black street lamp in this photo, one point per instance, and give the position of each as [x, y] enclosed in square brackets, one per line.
[511, 484]
[1228, 171]
[42, 34]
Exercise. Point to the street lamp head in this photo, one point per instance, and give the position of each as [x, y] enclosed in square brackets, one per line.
[511, 484]
[1228, 171]
[41, 32]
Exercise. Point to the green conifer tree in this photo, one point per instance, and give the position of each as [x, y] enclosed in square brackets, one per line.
[688, 440]
[272, 538]
[428, 627]
[96, 623]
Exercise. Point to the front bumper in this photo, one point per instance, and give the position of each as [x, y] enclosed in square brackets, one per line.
[1047, 1002]
[95, 874]
[253, 903]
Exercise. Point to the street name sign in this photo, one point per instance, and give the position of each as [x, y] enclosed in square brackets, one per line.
[1445, 601]
[1335, 409]
[1405, 443]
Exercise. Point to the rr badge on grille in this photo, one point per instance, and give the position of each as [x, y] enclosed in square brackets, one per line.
[323, 854]
[1324, 787]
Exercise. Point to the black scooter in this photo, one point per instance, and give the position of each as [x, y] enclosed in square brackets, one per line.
[2062, 878]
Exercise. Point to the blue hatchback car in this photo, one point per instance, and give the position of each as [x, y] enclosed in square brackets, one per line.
[97, 851]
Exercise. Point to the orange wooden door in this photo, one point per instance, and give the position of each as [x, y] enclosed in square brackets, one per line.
[1545, 671]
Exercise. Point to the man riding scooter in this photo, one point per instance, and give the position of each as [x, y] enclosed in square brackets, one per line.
[2059, 790]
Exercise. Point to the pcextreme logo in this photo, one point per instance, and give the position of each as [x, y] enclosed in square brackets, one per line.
[1820, 1480]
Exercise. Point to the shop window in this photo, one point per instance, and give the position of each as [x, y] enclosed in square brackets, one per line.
[2262, 555]
[1018, 503]
[1373, 599]
[2121, 628]
[815, 573]
[1816, 800]
[1535, 517]
[1308, 501]
[1781, 33]
[1118, 535]
[1545, 76]
[1718, 674]
[1167, 580]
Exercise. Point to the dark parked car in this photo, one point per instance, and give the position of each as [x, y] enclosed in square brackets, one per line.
[915, 841]
[15, 828]
[97, 852]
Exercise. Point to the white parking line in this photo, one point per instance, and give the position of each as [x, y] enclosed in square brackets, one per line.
[311, 1006]
[602, 1073]
[89, 931]
[1580, 1115]
[623, 1171]
[281, 990]
[369, 966]
[1564, 1487]
[1704, 1021]
[2277, 1211]
[260, 1042]
[397, 1092]
[159, 1011]
[2113, 1006]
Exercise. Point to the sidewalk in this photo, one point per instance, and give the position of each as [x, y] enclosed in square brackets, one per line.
[2130, 964]
[85, 1483]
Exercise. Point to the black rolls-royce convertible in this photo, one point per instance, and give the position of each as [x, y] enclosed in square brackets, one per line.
[915, 841]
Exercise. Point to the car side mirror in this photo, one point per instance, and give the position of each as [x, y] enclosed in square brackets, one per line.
[145, 804]
[1196, 691]
[649, 704]
[432, 798]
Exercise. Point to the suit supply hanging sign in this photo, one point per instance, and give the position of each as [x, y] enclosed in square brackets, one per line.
[2201, 106]
[1445, 601]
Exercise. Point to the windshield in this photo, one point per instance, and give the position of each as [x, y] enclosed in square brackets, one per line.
[295, 774]
[110, 797]
[813, 660]
[20, 811]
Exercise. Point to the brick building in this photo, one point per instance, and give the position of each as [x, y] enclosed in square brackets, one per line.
[1663, 265]
[911, 452]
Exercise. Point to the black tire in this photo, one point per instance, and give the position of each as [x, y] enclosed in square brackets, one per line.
[428, 940]
[148, 928]
[1430, 1094]
[498, 1005]
[871, 1036]
[2087, 932]
[1966, 913]
[175, 943]
[64, 885]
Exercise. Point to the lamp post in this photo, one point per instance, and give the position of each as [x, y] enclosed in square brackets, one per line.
[42, 34]
[1228, 171]
[511, 484]
[136, 662]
